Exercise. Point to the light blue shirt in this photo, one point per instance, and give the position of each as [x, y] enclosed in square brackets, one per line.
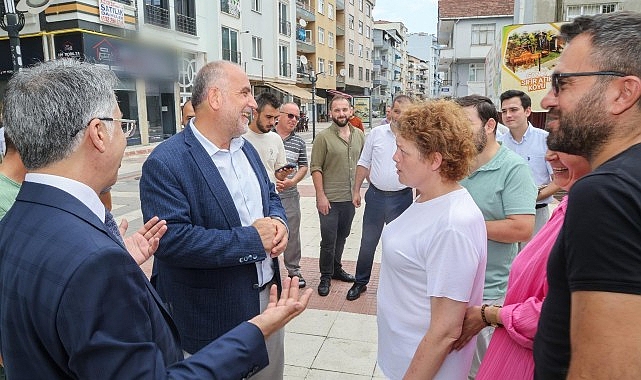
[532, 148]
[78, 190]
[242, 183]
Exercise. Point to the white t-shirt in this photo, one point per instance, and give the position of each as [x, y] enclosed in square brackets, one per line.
[436, 248]
[270, 149]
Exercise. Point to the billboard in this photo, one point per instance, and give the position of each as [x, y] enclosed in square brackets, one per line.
[528, 55]
[363, 109]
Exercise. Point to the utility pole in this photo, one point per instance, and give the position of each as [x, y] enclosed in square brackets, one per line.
[313, 78]
[13, 22]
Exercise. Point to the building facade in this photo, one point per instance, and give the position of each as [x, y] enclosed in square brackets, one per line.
[467, 31]
[390, 63]
[424, 46]
[541, 11]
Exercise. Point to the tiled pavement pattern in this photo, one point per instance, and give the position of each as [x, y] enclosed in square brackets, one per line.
[334, 338]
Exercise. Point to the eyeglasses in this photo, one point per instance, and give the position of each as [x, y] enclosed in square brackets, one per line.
[128, 126]
[556, 77]
[291, 115]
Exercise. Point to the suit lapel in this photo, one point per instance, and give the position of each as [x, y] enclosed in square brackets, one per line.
[33, 193]
[212, 177]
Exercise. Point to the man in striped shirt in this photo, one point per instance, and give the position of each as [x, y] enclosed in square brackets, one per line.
[296, 152]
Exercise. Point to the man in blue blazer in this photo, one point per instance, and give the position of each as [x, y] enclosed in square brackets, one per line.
[73, 302]
[226, 224]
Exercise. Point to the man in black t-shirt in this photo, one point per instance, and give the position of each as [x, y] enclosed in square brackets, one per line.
[590, 324]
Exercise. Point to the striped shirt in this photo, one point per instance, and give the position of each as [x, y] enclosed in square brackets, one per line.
[296, 152]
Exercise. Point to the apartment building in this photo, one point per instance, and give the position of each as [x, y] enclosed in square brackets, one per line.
[417, 78]
[390, 63]
[466, 33]
[424, 46]
[541, 11]
[357, 47]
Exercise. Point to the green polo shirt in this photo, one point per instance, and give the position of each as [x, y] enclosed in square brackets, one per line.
[8, 192]
[502, 187]
[336, 159]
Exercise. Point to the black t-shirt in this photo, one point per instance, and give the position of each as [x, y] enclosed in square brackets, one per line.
[598, 249]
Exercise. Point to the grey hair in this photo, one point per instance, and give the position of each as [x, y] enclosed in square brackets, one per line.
[48, 106]
[615, 38]
[212, 74]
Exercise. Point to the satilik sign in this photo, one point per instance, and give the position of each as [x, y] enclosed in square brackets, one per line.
[112, 13]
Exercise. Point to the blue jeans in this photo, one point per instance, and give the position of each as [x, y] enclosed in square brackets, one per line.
[335, 227]
[381, 207]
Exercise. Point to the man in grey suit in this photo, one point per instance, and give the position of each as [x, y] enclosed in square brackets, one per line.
[226, 224]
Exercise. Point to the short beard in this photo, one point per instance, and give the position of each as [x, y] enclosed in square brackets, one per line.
[480, 140]
[339, 123]
[585, 130]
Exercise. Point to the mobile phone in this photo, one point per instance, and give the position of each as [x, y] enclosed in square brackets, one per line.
[288, 166]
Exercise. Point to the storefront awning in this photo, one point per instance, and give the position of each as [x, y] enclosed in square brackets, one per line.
[298, 92]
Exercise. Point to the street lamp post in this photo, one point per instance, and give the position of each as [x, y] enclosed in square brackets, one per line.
[13, 22]
[313, 78]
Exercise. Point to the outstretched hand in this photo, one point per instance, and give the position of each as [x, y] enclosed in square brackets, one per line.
[144, 242]
[280, 311]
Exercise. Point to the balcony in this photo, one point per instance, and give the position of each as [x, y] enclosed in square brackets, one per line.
[306, 44]
[340, 81]
[304, 10]
[156, 16]
[381, 64]
[383, 82]
[285, 70]
[285, 27]
[232, 56]
[340, 55]
[186, 24]
[230, 7]
[340, 5]
[340, 30]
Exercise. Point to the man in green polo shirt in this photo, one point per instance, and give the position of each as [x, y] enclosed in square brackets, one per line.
[502, 186]
[335, 153]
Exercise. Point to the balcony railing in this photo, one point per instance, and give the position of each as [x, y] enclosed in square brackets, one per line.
[340, 30]
[231, 55]
[156, 16]
[185, 24]
[340, 55]
[340, 81]
[285, 27]
[304, 10]
[285, 70]
[230, 7]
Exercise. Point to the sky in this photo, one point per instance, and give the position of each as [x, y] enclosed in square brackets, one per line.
[416, 15]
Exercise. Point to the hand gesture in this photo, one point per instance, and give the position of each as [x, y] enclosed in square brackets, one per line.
[144, 242]
[280, 311]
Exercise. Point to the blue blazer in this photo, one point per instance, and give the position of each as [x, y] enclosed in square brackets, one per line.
[75, 305]
[206, 262]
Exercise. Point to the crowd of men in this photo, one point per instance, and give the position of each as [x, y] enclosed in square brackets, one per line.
[221, 204]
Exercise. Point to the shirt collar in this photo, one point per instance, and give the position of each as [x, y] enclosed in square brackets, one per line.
[211, 148]
[78, 190]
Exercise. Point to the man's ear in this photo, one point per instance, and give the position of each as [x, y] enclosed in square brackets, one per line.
[490, 126]
[96, 134]
[528, 111]
[628, 95]
[214, 98]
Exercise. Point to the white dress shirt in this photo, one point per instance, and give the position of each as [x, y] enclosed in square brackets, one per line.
[377, 154]
[242, 183]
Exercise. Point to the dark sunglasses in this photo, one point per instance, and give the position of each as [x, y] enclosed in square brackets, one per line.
[556, 77]
[291, 115]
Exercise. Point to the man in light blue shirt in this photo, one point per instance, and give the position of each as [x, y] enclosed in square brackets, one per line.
[530, 143]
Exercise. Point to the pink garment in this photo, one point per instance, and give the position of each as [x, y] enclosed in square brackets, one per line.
[509, 355]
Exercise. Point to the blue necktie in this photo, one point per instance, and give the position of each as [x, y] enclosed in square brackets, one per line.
[112, 226]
